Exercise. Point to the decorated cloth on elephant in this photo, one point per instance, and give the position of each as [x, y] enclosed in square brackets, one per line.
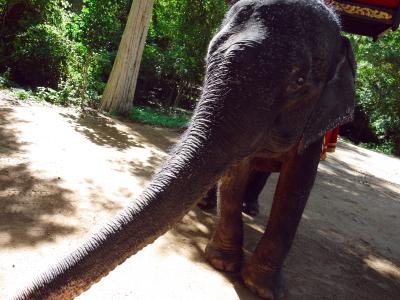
[330, 142]
[367, 17]
[330, 138]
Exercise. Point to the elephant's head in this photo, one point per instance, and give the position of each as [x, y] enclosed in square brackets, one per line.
[279, 74]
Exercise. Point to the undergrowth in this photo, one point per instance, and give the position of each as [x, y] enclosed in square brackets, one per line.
[172, 118]
[385, 147]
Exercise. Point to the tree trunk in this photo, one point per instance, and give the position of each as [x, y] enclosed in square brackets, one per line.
[120, 90]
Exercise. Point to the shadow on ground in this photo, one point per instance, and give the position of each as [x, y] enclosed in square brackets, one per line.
[100, 130]
[30, 204]
[340, 252]
[104, 131]
[26, 222]
[9, 142]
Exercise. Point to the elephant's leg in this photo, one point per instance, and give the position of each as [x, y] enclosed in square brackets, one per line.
[261, 274]
[209, 201]
[224, 251]
[256, 183]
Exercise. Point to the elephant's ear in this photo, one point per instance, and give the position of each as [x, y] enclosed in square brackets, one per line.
[336, 105]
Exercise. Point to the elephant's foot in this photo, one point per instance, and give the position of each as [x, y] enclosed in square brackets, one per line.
[206, 205]
[224, 258]
[251, 208]
[263, 280]
[209, 201]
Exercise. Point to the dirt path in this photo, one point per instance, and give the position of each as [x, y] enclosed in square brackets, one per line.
[62, 175]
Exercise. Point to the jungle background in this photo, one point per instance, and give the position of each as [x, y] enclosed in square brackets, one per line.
[63, 51]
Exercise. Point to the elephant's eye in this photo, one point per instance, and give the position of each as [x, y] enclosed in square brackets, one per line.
[296, 85]
[297, 80]
[300, 81]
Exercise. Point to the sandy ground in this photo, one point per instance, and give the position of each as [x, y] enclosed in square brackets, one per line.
[62, 175]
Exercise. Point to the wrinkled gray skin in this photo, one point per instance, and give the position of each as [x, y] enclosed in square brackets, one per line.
[278, 76]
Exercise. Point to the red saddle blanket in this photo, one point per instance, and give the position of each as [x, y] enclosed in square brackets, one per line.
[330, 142]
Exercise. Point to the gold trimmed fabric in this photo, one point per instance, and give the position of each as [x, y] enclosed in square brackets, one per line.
[353, 9]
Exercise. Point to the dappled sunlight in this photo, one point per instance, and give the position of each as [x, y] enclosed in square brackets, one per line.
[106, 131]
[61, 177]
[351, 215]
[254, 225]
[159, 139]
[380, 166]
[100, 130]
[331, 234]
[10, 140]
[147, 168]
[190, 235]
[26, 198]
[383, 266]
[332, 263]
[142, 164]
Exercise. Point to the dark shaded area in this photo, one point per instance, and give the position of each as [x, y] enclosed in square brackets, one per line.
[359, 130]
[76, 4]
[29, 204]
[324, 243]
[146, 170]
[9, 142]
[23, 222]
[164, 91]
[329, 257]
[103, 131]
[160, 138]
[25, 201]
[34, 55]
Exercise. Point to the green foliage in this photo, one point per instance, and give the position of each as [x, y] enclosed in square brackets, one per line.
[98, 28]
[176, 47]
[3, 7]
[160, 117]
[41, 55]
[97, 24]
[65, 94]
[378, 85]
[34, 43]
[185, 44]
[22, 94]
[46, 43]
[67, 52]
[5, 79]
[384, 147]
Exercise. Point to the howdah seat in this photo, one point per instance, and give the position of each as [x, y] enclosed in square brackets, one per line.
[368, 17]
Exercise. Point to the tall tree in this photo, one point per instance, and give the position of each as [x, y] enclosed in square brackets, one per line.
[120, 90]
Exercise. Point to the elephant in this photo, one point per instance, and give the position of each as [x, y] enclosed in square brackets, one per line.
[254, 185]
[278, 76]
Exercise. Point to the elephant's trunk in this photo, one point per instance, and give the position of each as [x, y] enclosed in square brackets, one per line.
[194, 166]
